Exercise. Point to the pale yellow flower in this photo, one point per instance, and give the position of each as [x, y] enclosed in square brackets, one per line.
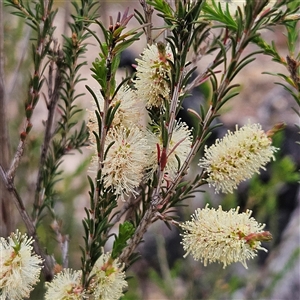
[131, 110]
[129, 117]
[65, 285]
[126, 160]
[225, 237]
[107, 279]
[153, 73]
[19, 267]
[237, 157]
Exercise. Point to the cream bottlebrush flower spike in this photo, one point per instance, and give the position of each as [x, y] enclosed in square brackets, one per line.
[126, 159]
[153, 71]
[225, 237]
[107, 279]
[19, 267]
[65, 285]
[131, 111]
[237, 157]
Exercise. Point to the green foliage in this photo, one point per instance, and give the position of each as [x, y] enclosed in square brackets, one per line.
[68, 134]
[115, 41]
[126, 231]
[214, 12]
[96, 226]
[192, 30]
[289, 19]
[40, 19]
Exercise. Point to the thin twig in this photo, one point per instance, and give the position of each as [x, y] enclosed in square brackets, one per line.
[6, 220]
[138, 235]
[16, 160]
[47, 270]
[54, 94]
[148, 10]
[205, 74]
[129, 208]
[33, 90]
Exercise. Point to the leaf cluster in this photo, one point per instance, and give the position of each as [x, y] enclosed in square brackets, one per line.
[115, 41]
[40, 18]
[67, 134]
[97, 225]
